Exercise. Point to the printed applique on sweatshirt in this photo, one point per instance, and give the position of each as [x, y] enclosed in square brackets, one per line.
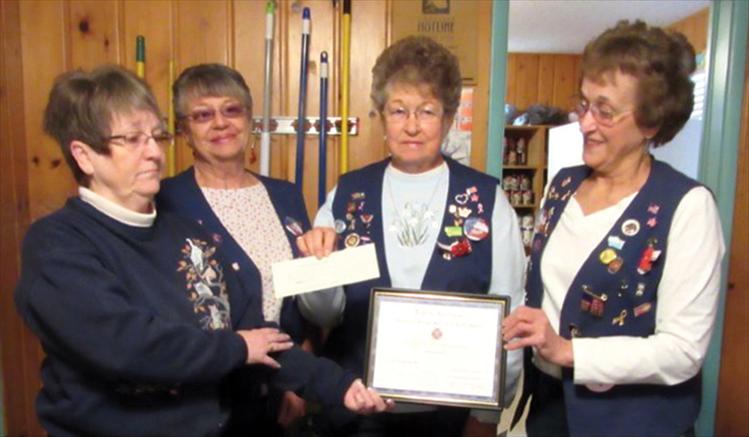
[205, 284]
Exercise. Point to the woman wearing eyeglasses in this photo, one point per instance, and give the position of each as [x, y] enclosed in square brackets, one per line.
[140, 316]
[625, 264]
[254, 219]
[437, 225]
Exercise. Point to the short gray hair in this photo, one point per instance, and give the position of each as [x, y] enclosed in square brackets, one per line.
[82, 105]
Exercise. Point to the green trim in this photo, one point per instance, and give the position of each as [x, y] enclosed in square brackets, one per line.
[720, 138]
[3, 431]
[496, 128]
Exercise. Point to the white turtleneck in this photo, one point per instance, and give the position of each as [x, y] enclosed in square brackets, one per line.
[116, 211]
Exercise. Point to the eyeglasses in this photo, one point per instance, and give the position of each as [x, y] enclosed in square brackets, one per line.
[233, 110]
[602, 114]
[424, 114]
[136, 140]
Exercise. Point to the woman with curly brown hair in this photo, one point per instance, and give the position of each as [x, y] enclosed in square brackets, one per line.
[625, 264]
[436, 224]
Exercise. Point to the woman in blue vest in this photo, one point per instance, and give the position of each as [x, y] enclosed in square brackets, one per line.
[625, 265]
[436, 225]
[254, 219]
[141, 319]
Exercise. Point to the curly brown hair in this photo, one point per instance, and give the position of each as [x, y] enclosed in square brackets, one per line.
[661, 61]
[418, 61]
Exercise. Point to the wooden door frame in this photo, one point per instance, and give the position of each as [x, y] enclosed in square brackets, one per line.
[719, 150]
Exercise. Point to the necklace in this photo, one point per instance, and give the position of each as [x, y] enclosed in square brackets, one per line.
[411, 225]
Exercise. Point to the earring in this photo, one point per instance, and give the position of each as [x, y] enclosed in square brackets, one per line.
[253, 155]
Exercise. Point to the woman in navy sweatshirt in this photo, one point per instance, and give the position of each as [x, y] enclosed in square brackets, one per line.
[143, 324]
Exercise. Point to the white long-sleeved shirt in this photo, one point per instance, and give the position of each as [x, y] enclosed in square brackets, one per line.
[407, 265]
[687, 295]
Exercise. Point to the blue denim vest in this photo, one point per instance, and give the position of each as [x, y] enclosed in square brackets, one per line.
[626, 267]
[358, 204]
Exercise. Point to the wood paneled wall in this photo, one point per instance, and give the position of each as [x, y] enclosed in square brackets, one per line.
[552, 79]
[542, 78]
[40, 39]
[20, 352]
[695, 28]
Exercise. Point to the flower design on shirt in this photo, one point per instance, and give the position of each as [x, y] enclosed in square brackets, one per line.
[412, 224]
[205, 284]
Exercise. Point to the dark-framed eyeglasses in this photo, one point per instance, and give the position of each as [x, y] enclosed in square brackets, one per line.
[205, 115]
[137, 139]
[602, 113]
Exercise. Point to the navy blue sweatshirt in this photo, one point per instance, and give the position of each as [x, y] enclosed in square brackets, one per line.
[137, 324]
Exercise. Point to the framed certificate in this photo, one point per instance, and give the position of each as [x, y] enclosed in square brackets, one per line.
[437, 348]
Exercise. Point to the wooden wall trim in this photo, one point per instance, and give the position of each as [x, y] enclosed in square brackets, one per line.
[20, 353]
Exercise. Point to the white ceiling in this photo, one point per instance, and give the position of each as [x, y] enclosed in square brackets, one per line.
[565, 26]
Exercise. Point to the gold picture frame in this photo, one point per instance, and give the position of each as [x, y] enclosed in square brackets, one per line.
[437, 348]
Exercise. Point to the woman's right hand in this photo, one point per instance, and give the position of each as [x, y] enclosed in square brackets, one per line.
[529, 327]
[318, 241]
[363, 400]
[264, 341]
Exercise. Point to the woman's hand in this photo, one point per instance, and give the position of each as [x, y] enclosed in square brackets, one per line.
[292, 408]
[362, 400]
[264, 341]
[319, 242]
[530, 327]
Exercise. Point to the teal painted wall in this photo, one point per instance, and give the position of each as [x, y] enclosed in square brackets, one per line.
[497, 80]
[727, 60]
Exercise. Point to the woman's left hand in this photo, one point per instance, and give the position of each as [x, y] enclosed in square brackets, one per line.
[530, 327]
[362, 400]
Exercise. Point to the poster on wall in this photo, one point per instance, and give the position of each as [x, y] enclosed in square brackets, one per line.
[452, 23]
[457, 143]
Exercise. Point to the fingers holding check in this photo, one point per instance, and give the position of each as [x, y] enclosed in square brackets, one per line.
[318, 241]
[527, 326]
[264, 341]
[363, 400]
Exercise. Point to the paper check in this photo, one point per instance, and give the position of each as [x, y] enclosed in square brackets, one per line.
[303, 275]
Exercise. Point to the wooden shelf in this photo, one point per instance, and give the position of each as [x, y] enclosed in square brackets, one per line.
[532, 140]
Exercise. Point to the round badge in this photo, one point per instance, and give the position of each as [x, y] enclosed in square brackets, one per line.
[630, 227]
[599, 388]
[339, 226]
[476, 228]
[607, 256]
[352, 240]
